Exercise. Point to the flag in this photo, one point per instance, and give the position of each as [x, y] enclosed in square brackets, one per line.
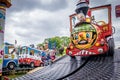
[15, 41]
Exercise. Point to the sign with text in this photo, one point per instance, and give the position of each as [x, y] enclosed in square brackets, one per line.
[117, 10]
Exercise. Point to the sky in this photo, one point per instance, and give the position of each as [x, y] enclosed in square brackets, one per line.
[31, 21]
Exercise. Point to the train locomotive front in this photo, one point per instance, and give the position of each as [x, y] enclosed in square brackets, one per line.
[90, 33]
[87, 39]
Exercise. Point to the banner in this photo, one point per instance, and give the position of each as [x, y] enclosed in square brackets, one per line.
[117, 10]
[2, 28]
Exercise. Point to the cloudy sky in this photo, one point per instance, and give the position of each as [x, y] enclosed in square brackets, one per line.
[31, 21]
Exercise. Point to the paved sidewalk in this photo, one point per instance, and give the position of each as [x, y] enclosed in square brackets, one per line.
[38, 68]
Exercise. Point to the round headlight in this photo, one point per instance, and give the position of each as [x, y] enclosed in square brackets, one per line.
[70, 53]
[100, 50]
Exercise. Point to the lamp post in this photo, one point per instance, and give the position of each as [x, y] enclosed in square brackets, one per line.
[3, 5]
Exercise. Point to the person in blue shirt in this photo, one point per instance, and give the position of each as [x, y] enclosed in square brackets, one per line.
[43, 56]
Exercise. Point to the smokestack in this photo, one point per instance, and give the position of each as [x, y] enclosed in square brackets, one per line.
[82, 7]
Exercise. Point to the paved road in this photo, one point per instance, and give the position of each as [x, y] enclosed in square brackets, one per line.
[116, 75]
[97, 68]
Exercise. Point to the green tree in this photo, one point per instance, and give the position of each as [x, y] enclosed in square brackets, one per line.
[65, 40]
[56, 41]
[0, 28]
[40, 44]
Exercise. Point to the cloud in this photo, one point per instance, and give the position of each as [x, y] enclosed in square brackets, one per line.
[31, 21]
[29, 5]
[34, 26]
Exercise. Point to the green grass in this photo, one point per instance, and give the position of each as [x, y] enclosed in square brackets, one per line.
[13, 74]
[16, 75]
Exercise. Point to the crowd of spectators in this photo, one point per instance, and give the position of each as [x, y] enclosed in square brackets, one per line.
[47, 55]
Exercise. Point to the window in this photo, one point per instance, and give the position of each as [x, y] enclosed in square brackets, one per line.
[11, 50]
[23, 50]
[32, 52]
[100, 15]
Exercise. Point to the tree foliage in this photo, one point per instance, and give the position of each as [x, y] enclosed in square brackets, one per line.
[40, 44]
[57, 42]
